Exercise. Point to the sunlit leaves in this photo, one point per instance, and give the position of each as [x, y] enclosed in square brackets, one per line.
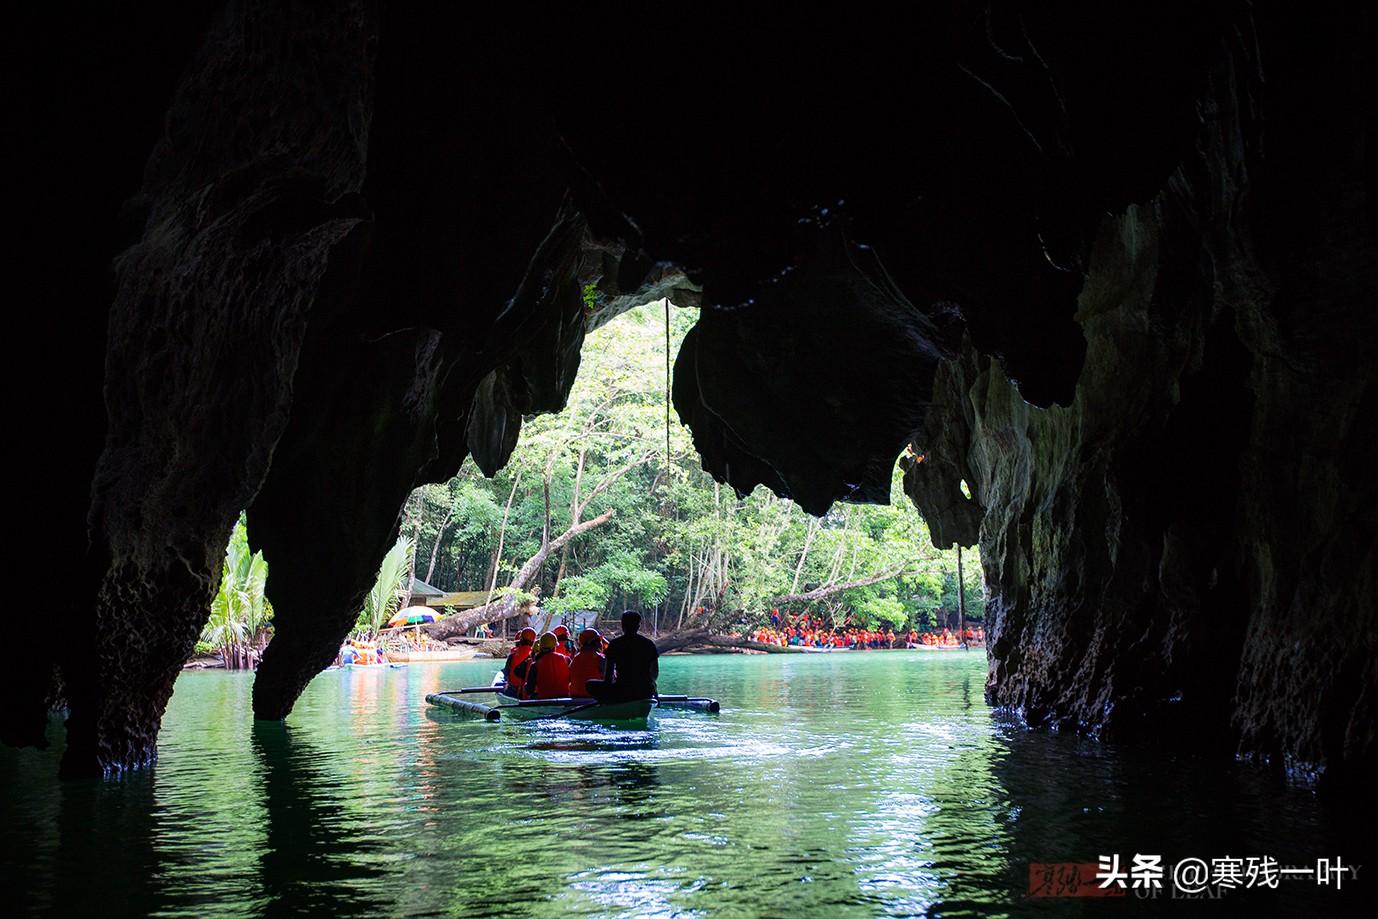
[240, 610]
[389, 589]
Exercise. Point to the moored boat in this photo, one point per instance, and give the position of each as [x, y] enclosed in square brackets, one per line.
[448, 655]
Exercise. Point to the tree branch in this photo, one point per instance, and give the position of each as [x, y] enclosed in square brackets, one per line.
[610, 479]
[804, 553]
[502, 535]
[501, 608]
[440, 534]
[827, 590]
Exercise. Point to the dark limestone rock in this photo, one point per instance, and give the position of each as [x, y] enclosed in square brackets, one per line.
[1185, 552]
[539, 375]
[1084, 258]
[242, 215]
[835, 396]
[92, 89]
[936, 467]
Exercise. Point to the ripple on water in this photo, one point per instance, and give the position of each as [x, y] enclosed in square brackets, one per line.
[831, 785]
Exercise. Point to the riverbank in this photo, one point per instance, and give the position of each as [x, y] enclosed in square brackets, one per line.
[498, 649]
[795, 649]
[448, 656]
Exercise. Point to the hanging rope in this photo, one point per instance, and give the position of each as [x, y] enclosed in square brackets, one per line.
[665, 466]
[665, 470]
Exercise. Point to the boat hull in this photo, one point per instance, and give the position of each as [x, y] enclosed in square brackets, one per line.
[424, 657]
[574, 709]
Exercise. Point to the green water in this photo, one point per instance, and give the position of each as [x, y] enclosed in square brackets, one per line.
[854, 784]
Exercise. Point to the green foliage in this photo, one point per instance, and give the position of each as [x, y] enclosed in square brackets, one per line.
[882, 610]
[240, 611]
[389, 588]
[579, 592]
[592, 296]
[923, 620]
[623, 573]
[519, 597]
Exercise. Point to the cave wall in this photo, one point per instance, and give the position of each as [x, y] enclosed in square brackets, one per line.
[1186, 553]
[348, 264]
[242, 218]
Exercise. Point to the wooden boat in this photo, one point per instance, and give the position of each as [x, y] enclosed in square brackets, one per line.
[426, 657]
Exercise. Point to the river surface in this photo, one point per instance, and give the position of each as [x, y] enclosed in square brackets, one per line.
[848, 784]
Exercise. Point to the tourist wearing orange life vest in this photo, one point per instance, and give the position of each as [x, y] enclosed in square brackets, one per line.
[587, 665]
[514, 671]
[548, 675]
[563, 644]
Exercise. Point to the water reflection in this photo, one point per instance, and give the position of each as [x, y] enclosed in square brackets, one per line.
[1087, 799]
[832, 785]
[125, 810]
[82, 847]
[315, 856]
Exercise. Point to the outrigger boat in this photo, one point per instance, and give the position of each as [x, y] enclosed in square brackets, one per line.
[564, 708]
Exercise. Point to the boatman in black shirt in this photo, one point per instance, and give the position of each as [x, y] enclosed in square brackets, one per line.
[632, 665]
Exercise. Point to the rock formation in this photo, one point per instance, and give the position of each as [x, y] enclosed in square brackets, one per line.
[1185, 552]
[1108, 268]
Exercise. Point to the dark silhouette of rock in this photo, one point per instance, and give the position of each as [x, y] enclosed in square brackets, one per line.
[1109, 267]
[1186, 551]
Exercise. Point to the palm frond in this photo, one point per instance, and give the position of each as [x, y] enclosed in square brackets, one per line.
[391, 585]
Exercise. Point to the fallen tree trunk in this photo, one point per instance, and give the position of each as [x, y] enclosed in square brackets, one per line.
[695, 637]
[455, 626]
[506, 605]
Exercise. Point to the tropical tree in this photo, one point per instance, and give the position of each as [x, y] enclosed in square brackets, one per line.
[240, 612]
[390, 588]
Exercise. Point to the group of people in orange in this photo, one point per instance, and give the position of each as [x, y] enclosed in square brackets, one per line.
[808, 634]
[551, 667]
[947, 638]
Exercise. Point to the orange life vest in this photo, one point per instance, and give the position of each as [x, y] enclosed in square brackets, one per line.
[552, 675]
[515, 674]
[587, 665]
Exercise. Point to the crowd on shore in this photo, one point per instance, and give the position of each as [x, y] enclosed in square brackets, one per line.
[807, 635]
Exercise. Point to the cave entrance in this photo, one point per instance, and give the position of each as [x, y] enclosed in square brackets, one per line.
[605, 507]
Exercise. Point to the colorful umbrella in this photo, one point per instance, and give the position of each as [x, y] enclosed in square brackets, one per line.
[412, 615]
